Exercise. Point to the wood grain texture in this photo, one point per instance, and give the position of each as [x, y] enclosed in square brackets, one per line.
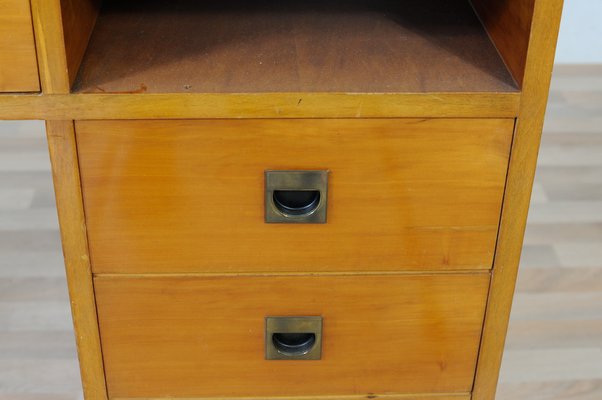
[63, 156]
[186, 337]
[50, 45]
[79, 19]
[358, 46]
[269, 105]
[438, 396]
[509, 26]
[188, 196]
[551, 355]
[18, 63]
[540, 59]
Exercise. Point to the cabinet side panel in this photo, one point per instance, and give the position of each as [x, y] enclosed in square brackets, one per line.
[79, 18]
[523, 159]
[509, 26]
[65, 172]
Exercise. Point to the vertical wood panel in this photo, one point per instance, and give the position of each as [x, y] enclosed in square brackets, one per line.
[52, 59]
[79, 18]
[65, 172]
[523, 159]
[18, 64]
[509, 26]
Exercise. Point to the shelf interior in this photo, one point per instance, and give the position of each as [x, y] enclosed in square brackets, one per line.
[258, 46]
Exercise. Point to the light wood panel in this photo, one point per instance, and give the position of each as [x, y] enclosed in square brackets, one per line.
[188, 196]
[18, 63]
[63, 155]
[270, 105]
[540, 59]
[352, 46]
[79, 19]
[509, 26]
[62, 29]
[50, 45]
[440, 396]
[186, 337]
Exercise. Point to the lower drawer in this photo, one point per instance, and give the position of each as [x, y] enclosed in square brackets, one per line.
[175, 336]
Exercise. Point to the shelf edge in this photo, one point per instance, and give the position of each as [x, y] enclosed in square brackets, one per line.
[260, 105]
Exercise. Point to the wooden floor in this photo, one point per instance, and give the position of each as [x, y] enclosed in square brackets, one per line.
[554, 349]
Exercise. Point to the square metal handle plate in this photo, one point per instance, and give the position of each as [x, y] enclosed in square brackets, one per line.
[296, 197]
[293, 338]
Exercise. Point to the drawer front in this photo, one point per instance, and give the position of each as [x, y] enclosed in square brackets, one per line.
[204, 336]
[18, 62]
[186, 196]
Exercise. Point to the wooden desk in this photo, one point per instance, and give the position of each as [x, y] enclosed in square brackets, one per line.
[163, 118]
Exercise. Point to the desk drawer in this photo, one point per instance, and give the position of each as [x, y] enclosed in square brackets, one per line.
[204, 336]
[188, 196]
[18, 62]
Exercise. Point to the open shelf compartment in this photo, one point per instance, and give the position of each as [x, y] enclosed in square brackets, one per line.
[267, 46]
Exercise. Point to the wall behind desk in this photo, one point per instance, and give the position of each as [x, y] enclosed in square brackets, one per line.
[580, 40]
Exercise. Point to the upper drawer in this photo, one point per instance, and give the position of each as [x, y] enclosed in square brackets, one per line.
[185, 196]
[18, 62]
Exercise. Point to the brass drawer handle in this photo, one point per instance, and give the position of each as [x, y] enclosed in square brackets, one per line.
[293, 338]
[294, 344]
[296, 202]
[296, 196]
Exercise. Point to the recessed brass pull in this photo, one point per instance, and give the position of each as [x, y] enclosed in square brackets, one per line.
[296, 196]
[293, 338]
[296, 202]
[294, 344]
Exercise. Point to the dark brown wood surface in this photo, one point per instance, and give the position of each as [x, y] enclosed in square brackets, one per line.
[281, 46]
